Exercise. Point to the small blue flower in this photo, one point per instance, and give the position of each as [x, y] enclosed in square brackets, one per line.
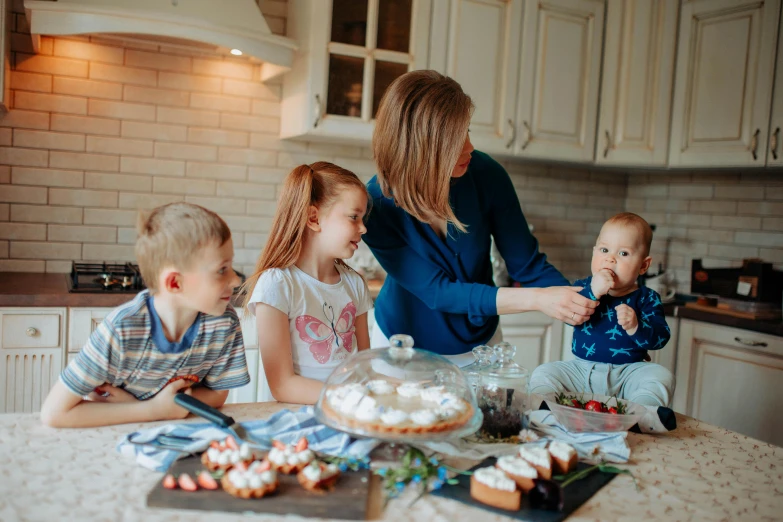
[416, 462]
[437, 484]
[382, 472]
[342, 467]
[416, 479]
[400, 486]
[433, 461]
[442, 473]
[351, 462]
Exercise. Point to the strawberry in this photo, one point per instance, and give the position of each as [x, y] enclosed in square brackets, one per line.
[593, 406]
[206, 481]
[577, 404]
[612, 410]
[231, 443]
[265, 466]
[241, 466]
[214, 444]
[186, 483]
[279, 445]
[301, 445]
[169, 482]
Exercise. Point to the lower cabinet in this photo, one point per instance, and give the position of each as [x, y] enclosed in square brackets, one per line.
[537, 337]
[731, 378]
[32, 342]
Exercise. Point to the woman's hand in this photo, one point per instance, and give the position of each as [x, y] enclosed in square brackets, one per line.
[564, 303]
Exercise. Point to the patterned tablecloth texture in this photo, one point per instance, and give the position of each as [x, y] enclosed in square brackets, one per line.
[698, 472]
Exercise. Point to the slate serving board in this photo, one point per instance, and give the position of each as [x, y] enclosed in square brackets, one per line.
[348, 500]
[576, 494]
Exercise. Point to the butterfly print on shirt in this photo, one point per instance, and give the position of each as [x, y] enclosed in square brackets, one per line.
[323, 337]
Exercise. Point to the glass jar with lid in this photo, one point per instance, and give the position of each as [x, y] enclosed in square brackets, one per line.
[503, 395]
[483, 359]
[399, 393]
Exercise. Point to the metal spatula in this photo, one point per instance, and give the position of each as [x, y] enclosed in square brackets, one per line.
[215, 416]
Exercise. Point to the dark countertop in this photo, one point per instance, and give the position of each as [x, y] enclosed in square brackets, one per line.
[37, 289]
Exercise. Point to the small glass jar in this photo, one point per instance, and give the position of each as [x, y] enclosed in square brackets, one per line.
[503, 395]
[483, 355]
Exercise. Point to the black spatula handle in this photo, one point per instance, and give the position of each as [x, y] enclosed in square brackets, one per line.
[193, 405]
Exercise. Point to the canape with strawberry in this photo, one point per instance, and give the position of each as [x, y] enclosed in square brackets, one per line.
[250, 481]
[290, 458]
[224, 455]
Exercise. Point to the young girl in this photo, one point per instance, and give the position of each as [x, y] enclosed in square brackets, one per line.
[310, 307]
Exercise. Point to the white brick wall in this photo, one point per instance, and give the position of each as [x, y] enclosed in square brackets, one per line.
[720, 217]
[100, 129]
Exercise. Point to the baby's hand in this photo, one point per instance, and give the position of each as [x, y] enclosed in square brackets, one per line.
[626, 317]
[602, 282]
[163, 402]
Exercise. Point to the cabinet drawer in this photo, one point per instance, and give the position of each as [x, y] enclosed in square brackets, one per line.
[31, 330]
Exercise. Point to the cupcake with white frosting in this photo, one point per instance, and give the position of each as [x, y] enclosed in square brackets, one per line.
[250, 481]
[290, 458]
[226, 454]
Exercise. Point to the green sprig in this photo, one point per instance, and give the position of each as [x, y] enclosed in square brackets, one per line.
[580, 474]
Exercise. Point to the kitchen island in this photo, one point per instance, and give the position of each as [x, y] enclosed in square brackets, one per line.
[698, 472]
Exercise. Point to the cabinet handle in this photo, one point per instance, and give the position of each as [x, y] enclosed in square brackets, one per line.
[31, 332]
[317, 111]
[773, 143]
[751, 343]
[528, 135]
[754, 144]
[608, 143]
[513, 134]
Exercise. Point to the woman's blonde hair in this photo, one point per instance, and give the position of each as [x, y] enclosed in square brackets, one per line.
[316, 185]
[420, 129]
[174, 235]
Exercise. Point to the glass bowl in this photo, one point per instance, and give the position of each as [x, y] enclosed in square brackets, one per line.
[577, 420]
[399, 394]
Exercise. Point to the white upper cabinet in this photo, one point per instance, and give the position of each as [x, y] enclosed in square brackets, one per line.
[723, 86]
[636, 82]
[775, 149]
[482, 53]
[557, 102]
[349, 53]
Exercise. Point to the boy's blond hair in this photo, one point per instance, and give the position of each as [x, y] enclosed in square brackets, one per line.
[630, 219]
[173, 235]
[420, 130]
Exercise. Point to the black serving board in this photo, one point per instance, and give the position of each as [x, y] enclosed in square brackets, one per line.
[348, 500]
[576, 494]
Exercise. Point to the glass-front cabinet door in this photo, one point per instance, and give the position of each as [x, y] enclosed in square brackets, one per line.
[350, 51]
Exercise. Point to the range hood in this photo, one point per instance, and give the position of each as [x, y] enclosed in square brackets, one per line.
[228, 25]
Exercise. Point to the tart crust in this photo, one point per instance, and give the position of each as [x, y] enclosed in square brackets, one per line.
[326, 484]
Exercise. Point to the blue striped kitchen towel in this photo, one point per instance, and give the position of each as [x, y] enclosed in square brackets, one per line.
[286, 426]
[591, 447]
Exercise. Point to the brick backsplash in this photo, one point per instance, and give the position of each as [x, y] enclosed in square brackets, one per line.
[101, 128]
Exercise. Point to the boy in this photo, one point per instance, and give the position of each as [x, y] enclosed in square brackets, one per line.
[179, 335]
[611, 347]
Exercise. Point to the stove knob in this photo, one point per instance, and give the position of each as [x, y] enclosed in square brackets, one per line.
[31, 332]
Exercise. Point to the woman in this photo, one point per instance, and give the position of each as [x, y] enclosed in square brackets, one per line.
[436, 202]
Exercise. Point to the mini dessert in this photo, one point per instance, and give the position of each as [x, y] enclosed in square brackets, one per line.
[224, 455]
[290, 458]
[318, 476]
[539, 458]
[492, 487]
[564, 458]
[253, 481]
[518, 470]
[409, 408]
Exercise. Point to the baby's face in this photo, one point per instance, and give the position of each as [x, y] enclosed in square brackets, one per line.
[619, 249]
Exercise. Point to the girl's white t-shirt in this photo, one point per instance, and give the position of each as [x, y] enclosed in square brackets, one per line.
[321, 316]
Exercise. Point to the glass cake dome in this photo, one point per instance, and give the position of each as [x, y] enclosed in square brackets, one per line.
[399, 394]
